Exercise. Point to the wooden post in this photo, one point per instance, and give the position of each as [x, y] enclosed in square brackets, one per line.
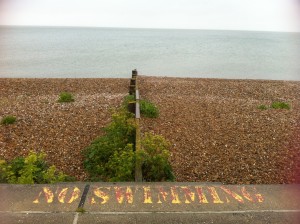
[138, 165]
[134, 73]
[134, 107]
[138, 147]
[133, 81]
[131, 89]
[131, 107]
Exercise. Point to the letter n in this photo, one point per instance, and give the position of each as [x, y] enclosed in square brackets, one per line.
[49, 196]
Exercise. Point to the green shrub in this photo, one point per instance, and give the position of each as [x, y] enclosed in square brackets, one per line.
[122, 164]
[154, 156]
[112, 157]
[8, 120]
[65, 97]
[262, 107]
[280, 105]
[3, 171]
[102, 154]
[148, 109]
[30, 170]
[128, 99]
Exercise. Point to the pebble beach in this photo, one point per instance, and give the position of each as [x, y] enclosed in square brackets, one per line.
[216, 131]
[218, 134]
[61, 130]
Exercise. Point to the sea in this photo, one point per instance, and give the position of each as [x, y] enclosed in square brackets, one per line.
[73, 52]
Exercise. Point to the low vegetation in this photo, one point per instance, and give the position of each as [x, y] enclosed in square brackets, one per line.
[275, 105]
[128, 99]
[262, 107]
[148, 109]
[280, 105]
[154, 156]
[112, 156]
[32, 169]
[8, 120]
[80, 210]
[66, 97]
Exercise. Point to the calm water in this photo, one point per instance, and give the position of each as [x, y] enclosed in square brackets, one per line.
[107, 52]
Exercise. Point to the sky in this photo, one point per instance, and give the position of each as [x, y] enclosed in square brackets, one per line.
[260, 15]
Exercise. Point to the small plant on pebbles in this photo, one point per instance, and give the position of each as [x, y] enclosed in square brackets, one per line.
[66, 97]
[128, 99]
[262, 107]
[8, 120]
[280, 105]
[148, 109]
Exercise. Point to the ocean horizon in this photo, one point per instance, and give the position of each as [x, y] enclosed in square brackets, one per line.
[81, 52]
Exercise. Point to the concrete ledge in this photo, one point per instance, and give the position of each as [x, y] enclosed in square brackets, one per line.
[150, 203]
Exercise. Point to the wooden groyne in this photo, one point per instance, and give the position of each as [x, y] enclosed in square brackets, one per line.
[135, 108]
